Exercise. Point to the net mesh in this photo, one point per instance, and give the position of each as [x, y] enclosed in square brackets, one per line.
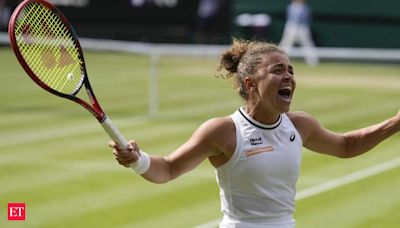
[48, 48]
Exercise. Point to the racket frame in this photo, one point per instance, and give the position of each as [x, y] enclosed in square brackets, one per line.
[94, 108]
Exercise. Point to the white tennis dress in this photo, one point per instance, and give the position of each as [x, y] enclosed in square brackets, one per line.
[257, 185]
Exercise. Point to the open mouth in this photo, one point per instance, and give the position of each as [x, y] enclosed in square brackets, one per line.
[285, 93]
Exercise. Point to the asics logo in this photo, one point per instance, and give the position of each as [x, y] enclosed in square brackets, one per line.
[292, 136]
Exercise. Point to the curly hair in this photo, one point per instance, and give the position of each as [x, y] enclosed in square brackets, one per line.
[242, 59]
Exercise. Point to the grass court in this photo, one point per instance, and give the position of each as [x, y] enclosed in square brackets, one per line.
[54, 155]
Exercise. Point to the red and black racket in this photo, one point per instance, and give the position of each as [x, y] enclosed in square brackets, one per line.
[48, 49]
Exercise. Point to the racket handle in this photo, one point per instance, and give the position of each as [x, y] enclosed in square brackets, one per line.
[113, 132]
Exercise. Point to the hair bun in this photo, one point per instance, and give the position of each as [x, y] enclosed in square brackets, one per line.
[231, 58]
[230, 62]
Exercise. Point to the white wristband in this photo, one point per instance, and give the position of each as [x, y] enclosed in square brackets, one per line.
[142, 164]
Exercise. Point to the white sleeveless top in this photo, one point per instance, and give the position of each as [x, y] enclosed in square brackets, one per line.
[257, 184]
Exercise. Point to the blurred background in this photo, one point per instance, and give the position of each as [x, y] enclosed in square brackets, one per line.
[339, 29]
[335, 23]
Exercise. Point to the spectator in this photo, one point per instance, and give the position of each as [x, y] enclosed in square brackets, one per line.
[208, 21]
[5, 13]
[297, 31]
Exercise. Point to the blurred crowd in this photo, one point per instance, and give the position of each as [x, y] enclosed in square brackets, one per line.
[5, 13]
[213, 24]
[6, 9]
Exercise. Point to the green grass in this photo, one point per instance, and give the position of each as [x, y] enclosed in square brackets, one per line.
[54, 156]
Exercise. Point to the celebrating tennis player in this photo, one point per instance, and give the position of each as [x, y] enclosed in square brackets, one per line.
[256, 151]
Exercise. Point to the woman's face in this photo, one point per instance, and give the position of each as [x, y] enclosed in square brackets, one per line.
[274, 83]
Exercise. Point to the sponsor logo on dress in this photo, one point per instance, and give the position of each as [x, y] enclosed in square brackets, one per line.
[292, 136]
[256, 141]
[259, 151]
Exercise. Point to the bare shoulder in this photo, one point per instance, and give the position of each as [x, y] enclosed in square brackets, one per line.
[303, 122]
[219, 122]
[221, 134]
[299, 116]
[218, 126]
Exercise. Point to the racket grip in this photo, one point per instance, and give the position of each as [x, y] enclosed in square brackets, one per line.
[114, 133]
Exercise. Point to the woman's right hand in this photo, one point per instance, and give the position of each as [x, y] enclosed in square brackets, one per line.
[126, 156]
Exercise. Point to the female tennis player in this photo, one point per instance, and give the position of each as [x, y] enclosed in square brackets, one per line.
[256, 151]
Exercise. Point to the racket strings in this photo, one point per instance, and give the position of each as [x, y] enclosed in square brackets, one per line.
[48, 47]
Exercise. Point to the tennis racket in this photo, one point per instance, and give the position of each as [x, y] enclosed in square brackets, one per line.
[48, 49]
